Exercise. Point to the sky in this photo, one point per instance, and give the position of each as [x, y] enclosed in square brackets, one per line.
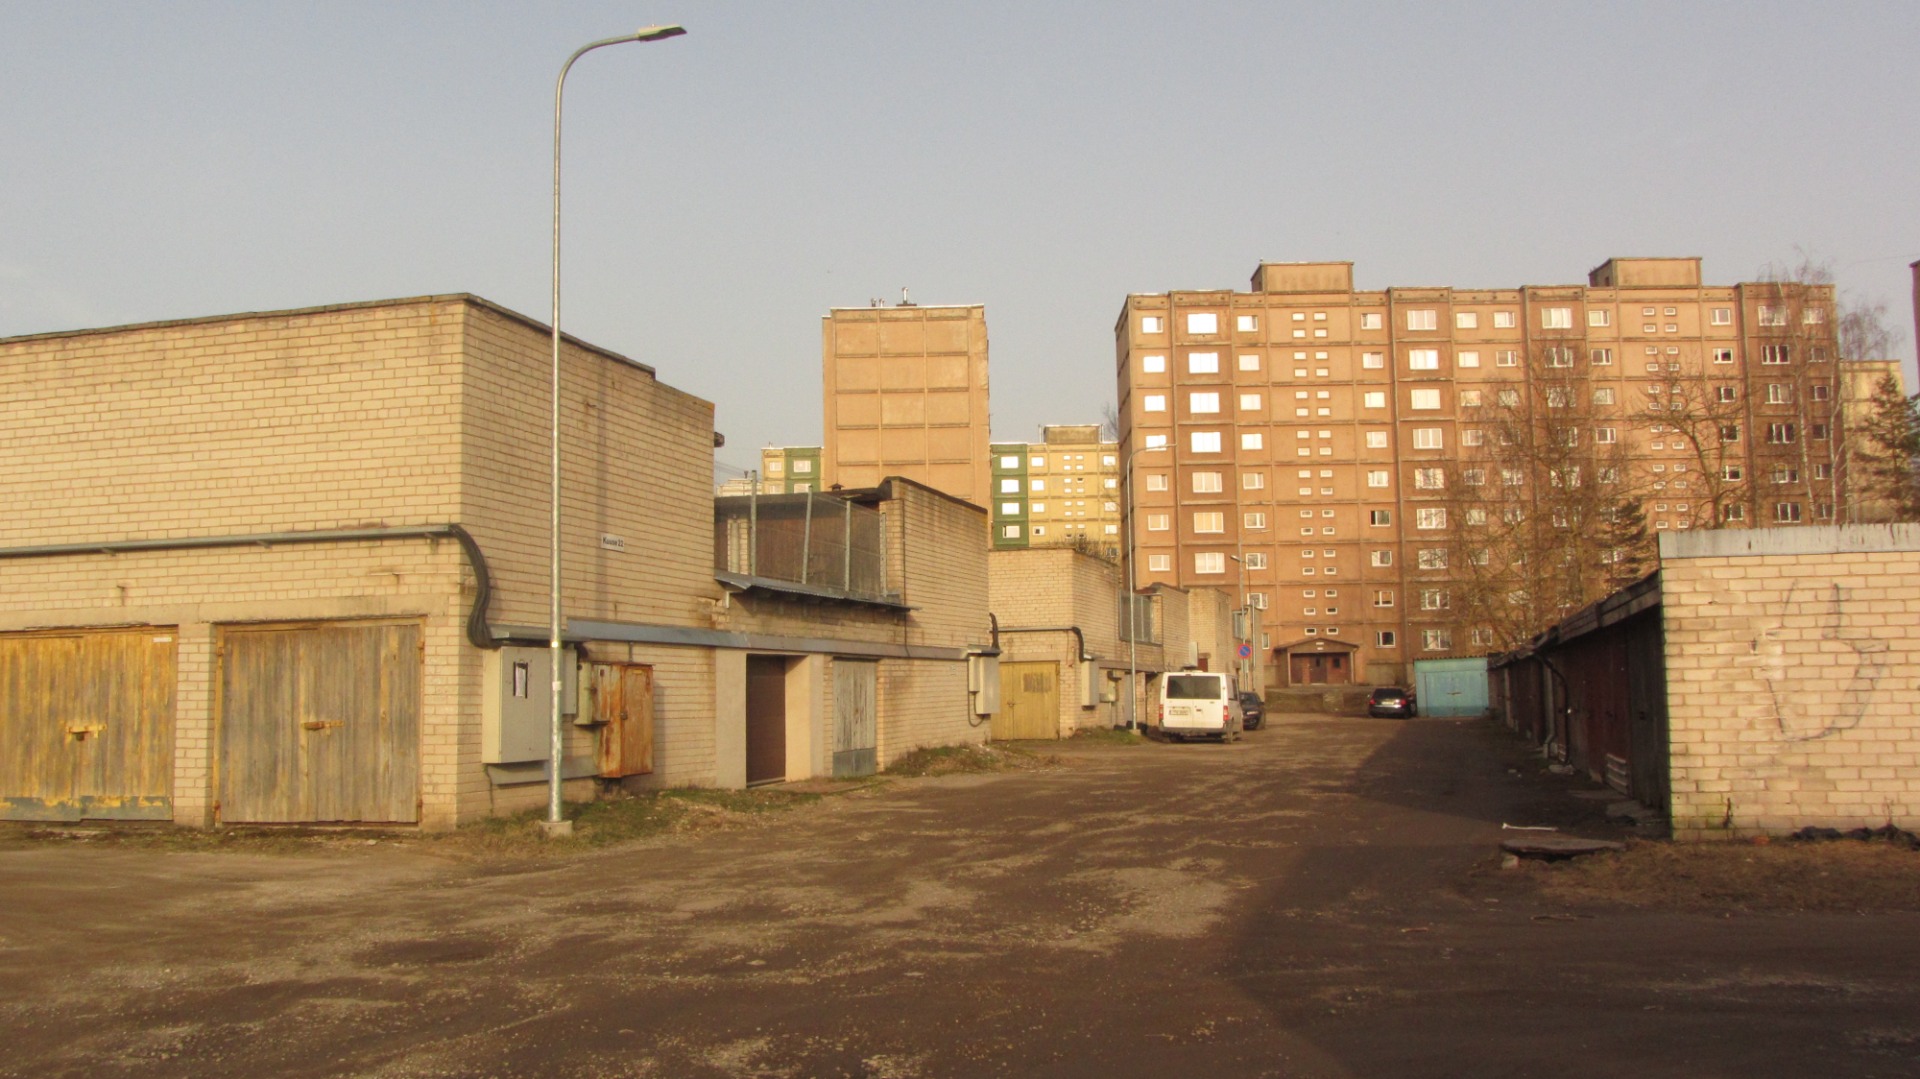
[724, 190]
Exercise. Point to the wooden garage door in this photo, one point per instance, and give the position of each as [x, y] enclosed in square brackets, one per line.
[86, 725]
[320, 722]
[1029, 701]
[856, 718]
[623, 707]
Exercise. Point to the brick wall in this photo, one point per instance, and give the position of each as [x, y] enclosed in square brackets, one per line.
[1793, 674]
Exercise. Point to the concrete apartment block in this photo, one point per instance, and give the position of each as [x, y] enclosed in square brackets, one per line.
[906, 395]
[1063, 489]
[1307, 420]
[293, 566]
[1793, 660]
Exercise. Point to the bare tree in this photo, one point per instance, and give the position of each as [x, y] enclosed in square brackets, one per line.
[1545, 511]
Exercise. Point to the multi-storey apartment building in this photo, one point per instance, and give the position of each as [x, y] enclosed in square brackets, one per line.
[1063, 490]
[1306, 443]
[789, 469]
[906, 395]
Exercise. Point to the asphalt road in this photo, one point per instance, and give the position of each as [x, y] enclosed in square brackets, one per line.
[1322, 899]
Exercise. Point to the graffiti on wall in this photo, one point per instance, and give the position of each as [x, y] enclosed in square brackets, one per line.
[1805, 648]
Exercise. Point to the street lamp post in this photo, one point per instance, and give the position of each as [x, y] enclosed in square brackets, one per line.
[1133, 600]
[556, 824]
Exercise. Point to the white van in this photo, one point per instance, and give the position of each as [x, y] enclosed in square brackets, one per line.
[1200, 704]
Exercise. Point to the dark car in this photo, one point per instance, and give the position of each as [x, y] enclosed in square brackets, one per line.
[1255, 709]
[1391, 701]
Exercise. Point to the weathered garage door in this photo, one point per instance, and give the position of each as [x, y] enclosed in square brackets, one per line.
[86, 725]
[856, 721]
[623, 706]
[320, 722]
[1029, 701]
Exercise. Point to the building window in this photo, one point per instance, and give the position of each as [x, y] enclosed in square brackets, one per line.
[1256, 560]
[1380, 558]
[1246, 323]
[1374, 399]
[1153, 365]
[1252, 440]
[1606, 436]
[1380, 517]
[1370, 320]
[1474, 477]
[1255, 521]
[1817, 432]
[1726, 394]
[1204, 441]
[1436, 640]
[1558, 356]
[1206, 483]
[1039, 530]
[1472, 436]
[1600, 357]
[1424, 400]
[1383, 597]
[1249, 362]
[1819, 393]
[1423, 320]
[1373, 361]
[1556, 318]
[1150, 324]
[1772, 316]
[1423, 359]
[1434, 599]
[1734, 512]
[1780, 434]
[1250, 402]
[1009, 487]
[1153, 402]
[1467, 359]
[1506, 357]
[1203, 363]
[1786, 512]
[1009, 509]
[1823, 511]
[1430, 479]
[1729, 432]
[1776, 354]
[1779, 393]
[1159, 563]
[1156, 481]
[1376, 440]
[1432, 558]
[1210, 563]
[1384, 639]
[1253, 481]
[1603, 395]
[1469, 398]
[1010, 531]
[1786, 474]
[1430, 517]
[1823, 472]
[1203, 322]
[1597, 316]
[1466, 320]
[1376, 477]
[1203, 402]
[1210, 522]
[1428, 438]
[1503, 320]
[1037, 486]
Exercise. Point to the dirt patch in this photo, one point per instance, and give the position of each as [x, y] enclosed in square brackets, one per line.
[958, 760]
[1770, 877]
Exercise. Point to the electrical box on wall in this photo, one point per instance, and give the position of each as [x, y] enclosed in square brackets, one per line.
[1089, 684]
[516, 715]
[983, 682]
[1110, 687]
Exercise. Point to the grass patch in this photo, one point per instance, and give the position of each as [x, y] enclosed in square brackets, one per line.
[1108, 736]
[958, 760]
[1774, 876]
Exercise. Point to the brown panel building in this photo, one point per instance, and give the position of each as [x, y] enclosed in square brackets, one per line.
[906, 395]
[1309, 429]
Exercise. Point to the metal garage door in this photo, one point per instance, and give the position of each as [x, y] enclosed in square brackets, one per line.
[320, 722]
[86, 725]
[856, 720]
[1029, 701]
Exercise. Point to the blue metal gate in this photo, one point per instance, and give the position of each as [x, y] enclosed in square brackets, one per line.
[1451, 687]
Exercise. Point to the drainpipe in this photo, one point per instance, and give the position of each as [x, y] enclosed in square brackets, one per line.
[478, 633]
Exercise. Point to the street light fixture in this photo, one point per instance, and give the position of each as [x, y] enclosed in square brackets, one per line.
[1133, 598]
[556, 824]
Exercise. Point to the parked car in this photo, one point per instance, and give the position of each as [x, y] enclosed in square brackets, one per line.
[1391, 701]
[1199, 704]
[1254, 709]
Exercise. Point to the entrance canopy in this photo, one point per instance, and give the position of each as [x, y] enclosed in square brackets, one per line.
[1316, 661]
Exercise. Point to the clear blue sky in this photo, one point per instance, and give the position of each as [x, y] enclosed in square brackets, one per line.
[169, 160]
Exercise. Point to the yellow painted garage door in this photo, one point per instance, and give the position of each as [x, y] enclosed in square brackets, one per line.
[86, 724]
[1029, 701]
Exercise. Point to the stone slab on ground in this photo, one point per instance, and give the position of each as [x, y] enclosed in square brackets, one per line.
[1557, 846]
